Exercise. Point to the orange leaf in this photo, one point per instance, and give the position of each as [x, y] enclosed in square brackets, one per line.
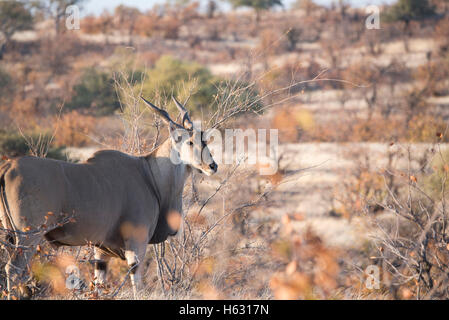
[298, 216]
[285, 219]
[413, 178]
[291, 268]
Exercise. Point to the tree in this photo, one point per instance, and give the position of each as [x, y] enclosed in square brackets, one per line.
[211, 8]
[307, 5]
[293, 36]
[126, 19]
[408, 10]
[257, 5]
[6, 86]
[442, 5]
[95, 92]
[55, 9]
[14, 16]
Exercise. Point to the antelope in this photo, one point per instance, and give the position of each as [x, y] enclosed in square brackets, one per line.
[117, 202]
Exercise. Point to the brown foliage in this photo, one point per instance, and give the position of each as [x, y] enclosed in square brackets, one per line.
[74, 129]
[312, 269]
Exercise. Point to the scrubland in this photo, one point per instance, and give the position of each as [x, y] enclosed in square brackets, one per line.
[357, 208]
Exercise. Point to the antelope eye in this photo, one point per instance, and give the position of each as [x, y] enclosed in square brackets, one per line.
[190, 143]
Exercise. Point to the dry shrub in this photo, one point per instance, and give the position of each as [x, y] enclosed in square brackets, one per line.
[74, 129]
[271, 43]
[55, 54]
[413, 247]
[24, 111]
[358, 129]
[374, 40]
[441, 34]
[293, 124]
[169, 24]
[425, 128]
[91, 25]
[311, 268]
[190, 11]
[147, 23]
[287, 126]
[289, 75]
[361, 182]
[95, 25]
[333, 50]
[376, 129]
[404, 203]
[435, 74]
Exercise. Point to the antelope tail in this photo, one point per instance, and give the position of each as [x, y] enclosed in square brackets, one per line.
[5, 216]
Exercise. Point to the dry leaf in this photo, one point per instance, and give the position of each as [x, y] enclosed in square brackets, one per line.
[291, 268]
[298, 217]
[406, 293]
[285, 219]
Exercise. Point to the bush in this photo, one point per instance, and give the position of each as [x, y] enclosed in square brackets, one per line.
[434, 184]
[414, 247]
[12, 144]
[95, 92]
[75, 128]
[171, 76]
[6, 86]
[407, 10]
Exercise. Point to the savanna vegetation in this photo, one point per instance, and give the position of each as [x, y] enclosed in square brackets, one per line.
[357, 209]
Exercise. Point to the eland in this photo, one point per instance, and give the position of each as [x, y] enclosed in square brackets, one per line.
[117, 202]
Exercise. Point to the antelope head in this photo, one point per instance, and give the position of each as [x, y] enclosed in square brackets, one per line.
[188, 141]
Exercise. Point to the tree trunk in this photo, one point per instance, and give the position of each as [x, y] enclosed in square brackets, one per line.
[57, 24]
[258, 16]
[2, 49]
[407, 35]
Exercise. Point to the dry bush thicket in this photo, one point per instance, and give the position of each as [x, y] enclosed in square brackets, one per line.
[382, 94]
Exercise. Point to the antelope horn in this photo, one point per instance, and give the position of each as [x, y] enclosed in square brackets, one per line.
[161, 112]
[186, 122]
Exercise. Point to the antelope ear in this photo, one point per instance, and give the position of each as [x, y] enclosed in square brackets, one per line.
[177, 135]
